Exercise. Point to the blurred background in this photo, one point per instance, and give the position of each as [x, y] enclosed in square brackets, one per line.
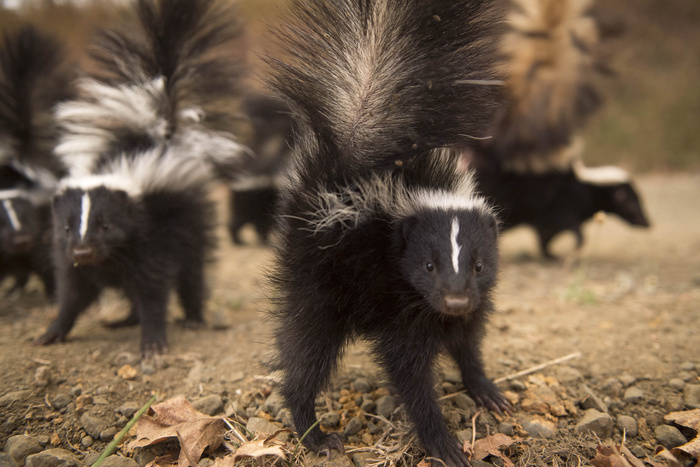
[650, 120]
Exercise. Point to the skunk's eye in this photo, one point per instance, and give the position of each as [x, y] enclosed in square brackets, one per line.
[479, 266]
[429, 266]
[106, 226]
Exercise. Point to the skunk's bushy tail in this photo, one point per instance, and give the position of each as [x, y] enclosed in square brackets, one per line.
[34, 77]
[167, 75]
[378, 82]
[549, 59]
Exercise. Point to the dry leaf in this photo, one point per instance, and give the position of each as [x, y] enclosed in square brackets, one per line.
[491, 446]
[257, 449]
[689, 419]
[668, 456]
[176, 418]
[615, 456]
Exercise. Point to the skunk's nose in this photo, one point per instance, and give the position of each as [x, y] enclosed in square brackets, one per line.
[83, 255]
[457, 304]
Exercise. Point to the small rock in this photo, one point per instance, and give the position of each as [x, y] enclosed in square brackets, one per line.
[43, 440]
[260, 425]
[354, 426]
[107, 434]
[567, 375]
[612, 387]
[669, 436]
[464, 435]
[273, 403]
[52, 458]
[362, 459]
[691, 395]
[93, 425]
[83, 401]
[210, 405]
[75, 391]
[633, 395]
[627, 380]
[628, 425]
[368, 405]
[21, 446]
[386, 406]
[687, 375]
[506, 428]
[128, 409]
[120, 461]
[87, 441]
[538, 427]
[464, 402]
[676, 383]
[127, 372]
[596, 422]
[330, 419]
[687, 366]
[374, 428]
[517, 385]
[42, 377]
[61, 400]
[361, 385]
[6, 460]
[15, 396]
[142, 457]
[638, 452]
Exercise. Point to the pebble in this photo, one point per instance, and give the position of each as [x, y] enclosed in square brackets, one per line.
[75, 391]
[374, 428]
[52, 458]
[119, 461]
[273, 403]
[676, 383]
[61, 400]
[464, 402]
[83, 401]
[209, 405]
[6, 460]
[669, 436]
[638, 452]
[691, 395]
[687, 366]
[612, 387]
[15, 396]
[107, 434]
[21, 446]
[43, 440]
[354, 426]
[687, 375]
[42, 377]
[598, 423]
[128, 409]
[633, 395]
[361, 385]
[627, 380]
[386, 406]
[362, 459]
[142, 457]
[568, 375]
[260, 425]
[330, 419]
[506, 428]
[539, 427]
[368, 405]
[517, 385]
[464, 435]
[93, 425]
[127, 372]
[87, 441]
[628, 425]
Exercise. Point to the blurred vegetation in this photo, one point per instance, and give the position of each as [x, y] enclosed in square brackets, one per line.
[651, 116]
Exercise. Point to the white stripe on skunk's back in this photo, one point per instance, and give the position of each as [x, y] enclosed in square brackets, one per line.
[14, 220]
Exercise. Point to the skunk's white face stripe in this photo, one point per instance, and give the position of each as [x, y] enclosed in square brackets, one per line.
[14, 220]
[84, 215]
[456, 248]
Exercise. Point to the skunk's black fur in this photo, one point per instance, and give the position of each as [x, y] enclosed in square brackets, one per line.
[554, 202]
[34, 77]
[141, 144]
[380, 237]
[255, 192]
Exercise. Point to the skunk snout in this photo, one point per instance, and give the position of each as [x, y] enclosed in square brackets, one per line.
[457, 304]
[83, 254]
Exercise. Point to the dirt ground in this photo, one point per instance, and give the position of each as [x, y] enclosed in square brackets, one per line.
[629, 306]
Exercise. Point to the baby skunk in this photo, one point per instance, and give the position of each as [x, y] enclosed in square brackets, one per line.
[255, 191]
[532, 169]
[380, 236]
[34, 77]
[141, 145]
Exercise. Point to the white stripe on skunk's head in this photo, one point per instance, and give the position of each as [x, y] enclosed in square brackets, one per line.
[110, 181]
[605, 175]
[13, 193]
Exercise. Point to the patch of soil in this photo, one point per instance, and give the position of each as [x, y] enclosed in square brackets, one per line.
[629, 305]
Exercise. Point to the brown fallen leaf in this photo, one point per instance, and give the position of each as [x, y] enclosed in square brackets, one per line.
[257, 449]
[615, 456]
[689, 419]
[668, 456]
[177, 419]
[491, 445]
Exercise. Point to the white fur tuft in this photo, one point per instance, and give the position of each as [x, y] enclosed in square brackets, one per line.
[606, 175]
[456, 248]
[11, 214]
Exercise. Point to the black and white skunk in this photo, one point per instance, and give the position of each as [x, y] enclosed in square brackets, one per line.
[141, 143]
[531, 169]
[255, 191]
[34, 77]
[380, 236]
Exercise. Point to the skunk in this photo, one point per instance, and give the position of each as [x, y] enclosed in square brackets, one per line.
[142, 141]
[531, 169]
[254, 193]
[34, 77]
[380, 236]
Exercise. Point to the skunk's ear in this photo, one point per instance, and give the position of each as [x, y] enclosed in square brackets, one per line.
[403, 232]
